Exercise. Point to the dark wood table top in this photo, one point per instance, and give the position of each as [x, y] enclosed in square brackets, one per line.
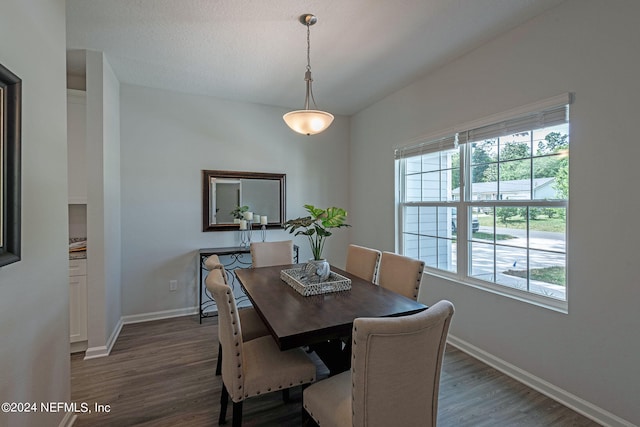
[295, 320]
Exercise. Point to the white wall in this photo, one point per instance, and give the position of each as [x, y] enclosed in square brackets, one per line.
[586, 47]
[112, 212]
[168, 138]
[103, 204]
[34, 296]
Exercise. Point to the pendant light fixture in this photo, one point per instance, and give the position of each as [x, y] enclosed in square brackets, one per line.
[307, 121]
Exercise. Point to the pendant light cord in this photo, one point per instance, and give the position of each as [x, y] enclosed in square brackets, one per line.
[308, 74]
[308, 47]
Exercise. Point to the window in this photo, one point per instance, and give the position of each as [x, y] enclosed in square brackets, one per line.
[487, 205]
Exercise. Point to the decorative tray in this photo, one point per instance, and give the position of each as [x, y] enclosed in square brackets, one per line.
[306, 286]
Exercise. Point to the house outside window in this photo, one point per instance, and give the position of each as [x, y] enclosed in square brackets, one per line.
[487, 204]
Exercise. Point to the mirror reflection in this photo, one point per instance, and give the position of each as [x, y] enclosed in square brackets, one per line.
[228, 194]
[1, 164]
[10, 176]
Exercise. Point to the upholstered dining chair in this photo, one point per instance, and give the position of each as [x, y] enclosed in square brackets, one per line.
[400, 274]
[265, 254]
[363, 262]
[394, 377]
[250, 368]
[253, 326]
[212, 261]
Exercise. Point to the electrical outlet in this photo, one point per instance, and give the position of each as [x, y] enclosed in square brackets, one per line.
[173, 285]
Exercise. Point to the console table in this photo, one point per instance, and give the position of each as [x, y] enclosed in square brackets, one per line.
[232, 258]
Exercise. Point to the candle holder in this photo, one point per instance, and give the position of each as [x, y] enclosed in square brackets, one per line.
[245, 235]
[263, 232]
[246, 228]
[243, 240]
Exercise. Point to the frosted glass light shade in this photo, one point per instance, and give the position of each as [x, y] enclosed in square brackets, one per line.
[308, 122]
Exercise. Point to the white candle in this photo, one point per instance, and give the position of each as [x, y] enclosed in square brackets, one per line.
[236, 220]
[248, 216]
[256, 218]
[243, 224]
[263, 220]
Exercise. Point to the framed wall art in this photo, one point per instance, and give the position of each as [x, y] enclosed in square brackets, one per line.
[10, 184]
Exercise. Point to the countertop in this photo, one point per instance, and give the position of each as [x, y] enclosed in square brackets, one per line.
[78, 254]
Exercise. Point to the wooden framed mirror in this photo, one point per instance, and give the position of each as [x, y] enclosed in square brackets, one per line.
[10, 126]
[223, 191]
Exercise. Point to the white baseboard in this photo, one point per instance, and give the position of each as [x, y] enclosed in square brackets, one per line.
[95, 352]
[68, 420]
[102, 351]
[78, 347]
[569, 400]
[158, 315]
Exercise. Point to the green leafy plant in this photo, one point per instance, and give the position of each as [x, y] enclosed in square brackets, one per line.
[316, 226]
[238, 212]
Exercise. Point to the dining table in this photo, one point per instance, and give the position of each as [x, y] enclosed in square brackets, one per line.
[322, 322]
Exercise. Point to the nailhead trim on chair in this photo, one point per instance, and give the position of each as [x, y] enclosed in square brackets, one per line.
[310, 413]
[236, 334]
[376, 269]
[353, 369]
[418, 281]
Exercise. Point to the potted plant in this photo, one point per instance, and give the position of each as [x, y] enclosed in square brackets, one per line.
[316, 227]
[238, 212]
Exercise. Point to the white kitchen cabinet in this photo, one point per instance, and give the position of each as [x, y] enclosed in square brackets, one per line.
[77, 300]
[76, 146]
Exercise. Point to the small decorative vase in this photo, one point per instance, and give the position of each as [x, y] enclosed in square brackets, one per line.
[317, 270]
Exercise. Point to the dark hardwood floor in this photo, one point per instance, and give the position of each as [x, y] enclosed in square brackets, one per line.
[162, 373]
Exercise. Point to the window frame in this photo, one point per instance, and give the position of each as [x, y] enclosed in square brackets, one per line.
[465, 202]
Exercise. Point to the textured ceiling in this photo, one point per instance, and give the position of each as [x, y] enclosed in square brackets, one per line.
[255, 51]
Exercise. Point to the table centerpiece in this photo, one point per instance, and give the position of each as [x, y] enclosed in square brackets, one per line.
[316, 227]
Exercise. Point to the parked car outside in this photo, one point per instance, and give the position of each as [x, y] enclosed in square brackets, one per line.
[475, 222]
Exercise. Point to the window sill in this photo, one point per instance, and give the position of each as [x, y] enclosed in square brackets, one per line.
[504, 291]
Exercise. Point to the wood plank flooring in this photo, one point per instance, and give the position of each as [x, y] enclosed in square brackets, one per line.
[162, 374]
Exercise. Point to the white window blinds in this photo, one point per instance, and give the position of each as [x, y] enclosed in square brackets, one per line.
[541, 119]
[445, 143]
[549, 112]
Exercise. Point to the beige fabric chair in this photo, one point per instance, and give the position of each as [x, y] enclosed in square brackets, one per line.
[265, 254]
[253, 326]
[400, 274]
[250, 368]
[395, 373]
[213, 261]
[363, 262]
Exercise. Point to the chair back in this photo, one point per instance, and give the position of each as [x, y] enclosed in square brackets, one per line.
[396, 368]
[229, 333]
[400, 274]
[363, 262]
[213, 263]
[265, 254]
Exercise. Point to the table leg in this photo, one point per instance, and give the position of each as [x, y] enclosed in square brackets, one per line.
[200, 289]
[334, 355]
